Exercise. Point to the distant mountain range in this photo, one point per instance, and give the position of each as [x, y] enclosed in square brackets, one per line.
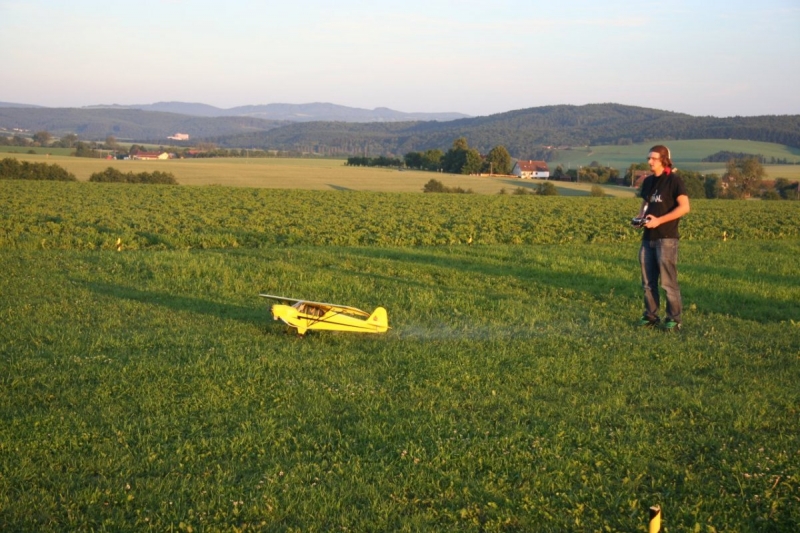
[11, 104]
[527, 133]
[314, 112]
[97, 124]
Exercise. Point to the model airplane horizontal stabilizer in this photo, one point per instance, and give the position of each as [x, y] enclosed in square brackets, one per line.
[305, 315]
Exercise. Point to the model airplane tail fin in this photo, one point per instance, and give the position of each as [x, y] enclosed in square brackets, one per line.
[379, 319]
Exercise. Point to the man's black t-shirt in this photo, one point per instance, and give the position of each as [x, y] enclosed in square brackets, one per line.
[661, 194]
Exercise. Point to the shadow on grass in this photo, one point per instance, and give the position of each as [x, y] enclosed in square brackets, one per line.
[532, 185]
[536, 272]
[580, 286]
[709, 300]
[256, 316]
[742, 304]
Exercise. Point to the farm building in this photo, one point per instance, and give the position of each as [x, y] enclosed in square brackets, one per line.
[531, 169]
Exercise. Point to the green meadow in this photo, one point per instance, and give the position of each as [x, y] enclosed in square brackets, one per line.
[149, 389]
[687, 155]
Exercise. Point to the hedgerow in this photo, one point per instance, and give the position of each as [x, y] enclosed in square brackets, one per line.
[12, 169]
[113, 175]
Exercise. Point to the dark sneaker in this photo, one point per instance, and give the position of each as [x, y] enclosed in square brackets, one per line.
[671, 325]
[648, 322]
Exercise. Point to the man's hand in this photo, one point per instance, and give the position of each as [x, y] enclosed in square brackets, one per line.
[652, 222]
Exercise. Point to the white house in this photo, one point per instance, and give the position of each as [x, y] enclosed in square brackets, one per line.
[531, 169]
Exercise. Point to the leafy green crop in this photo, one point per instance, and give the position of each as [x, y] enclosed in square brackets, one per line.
[86, 216]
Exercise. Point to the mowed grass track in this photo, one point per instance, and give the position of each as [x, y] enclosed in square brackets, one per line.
[150, 389]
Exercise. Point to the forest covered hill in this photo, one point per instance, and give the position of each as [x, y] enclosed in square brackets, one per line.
[527, 133]
[530, 133]
[125, 124]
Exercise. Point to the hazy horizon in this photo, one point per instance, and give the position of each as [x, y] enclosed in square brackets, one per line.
[707, 58]
[106, 105]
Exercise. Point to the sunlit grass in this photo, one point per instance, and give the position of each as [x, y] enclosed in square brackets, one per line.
[151, 389]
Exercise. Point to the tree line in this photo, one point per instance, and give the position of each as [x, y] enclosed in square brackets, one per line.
[459, 159]
[724, 156]
[743, 177]
[113, 175]
[12, 169]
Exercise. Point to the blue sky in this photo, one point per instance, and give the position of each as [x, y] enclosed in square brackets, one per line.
[475, 57]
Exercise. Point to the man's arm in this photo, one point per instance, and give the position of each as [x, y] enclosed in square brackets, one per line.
[642, 209]
[681, 209]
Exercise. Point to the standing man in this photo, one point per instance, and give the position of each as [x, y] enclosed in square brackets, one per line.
[664, 202]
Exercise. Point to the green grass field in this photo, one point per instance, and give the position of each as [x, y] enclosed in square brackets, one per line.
[686, 154]
[149, 389]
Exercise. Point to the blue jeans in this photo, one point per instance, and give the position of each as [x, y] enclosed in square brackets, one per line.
[659, 259]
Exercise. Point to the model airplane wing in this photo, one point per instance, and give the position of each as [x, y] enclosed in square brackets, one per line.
[321, 305]
[280, 298]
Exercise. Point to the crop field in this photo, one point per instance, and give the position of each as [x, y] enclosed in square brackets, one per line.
[306, 173]
[149, 389]
[333, 174]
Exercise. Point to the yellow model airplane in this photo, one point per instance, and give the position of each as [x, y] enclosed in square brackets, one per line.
[305, 315]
